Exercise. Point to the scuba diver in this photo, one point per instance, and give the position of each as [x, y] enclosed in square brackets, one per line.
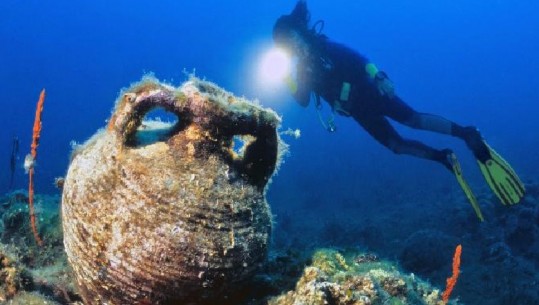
[354, 87]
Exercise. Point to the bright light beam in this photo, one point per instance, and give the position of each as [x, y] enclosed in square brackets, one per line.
[274, 67]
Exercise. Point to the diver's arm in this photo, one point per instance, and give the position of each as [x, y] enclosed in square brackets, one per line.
[301, 88]
[299, 92]
[302, 96]
[381, 80]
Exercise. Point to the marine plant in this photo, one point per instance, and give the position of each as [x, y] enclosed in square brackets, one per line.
[452, 281]
[29, 163]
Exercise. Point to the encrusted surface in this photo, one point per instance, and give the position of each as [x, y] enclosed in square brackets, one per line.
[184, 219]
[333, 278]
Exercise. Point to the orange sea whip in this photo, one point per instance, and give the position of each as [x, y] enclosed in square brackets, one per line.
[452, 281]
[29, 165]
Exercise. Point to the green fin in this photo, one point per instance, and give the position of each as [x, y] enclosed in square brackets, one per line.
[464, 185]
[501, 178]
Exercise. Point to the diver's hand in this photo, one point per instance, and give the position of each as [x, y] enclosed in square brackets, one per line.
[304, 70]
[291, 84]
[384, 84]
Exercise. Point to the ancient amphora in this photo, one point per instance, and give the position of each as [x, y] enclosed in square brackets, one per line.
[178, 220]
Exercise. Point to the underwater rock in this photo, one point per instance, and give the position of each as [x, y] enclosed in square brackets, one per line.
[14, 197]
[9, 277]
[335, 278]
[177, 220]
[15, 233]
[426, 252]
[33, 298]
[34, 274]
[521, 231]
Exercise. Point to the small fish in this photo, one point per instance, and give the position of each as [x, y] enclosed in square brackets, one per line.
[29, 163]
[13, 160]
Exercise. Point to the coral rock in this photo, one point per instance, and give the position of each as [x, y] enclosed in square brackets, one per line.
[335, 279]
[10, 277]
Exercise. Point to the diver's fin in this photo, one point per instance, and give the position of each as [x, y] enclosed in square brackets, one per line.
[501, 178]
[464, 185]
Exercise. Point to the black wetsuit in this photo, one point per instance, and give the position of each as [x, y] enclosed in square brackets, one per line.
[331, 64]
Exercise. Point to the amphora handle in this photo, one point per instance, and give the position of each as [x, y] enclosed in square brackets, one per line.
[214, 111]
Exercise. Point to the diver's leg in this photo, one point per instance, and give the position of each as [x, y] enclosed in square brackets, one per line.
[401, 112]
[380, 128]
[398, 110]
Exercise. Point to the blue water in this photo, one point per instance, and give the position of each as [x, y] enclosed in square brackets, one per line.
[474, 62]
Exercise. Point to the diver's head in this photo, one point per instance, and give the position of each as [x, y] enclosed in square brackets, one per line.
[292, 32]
